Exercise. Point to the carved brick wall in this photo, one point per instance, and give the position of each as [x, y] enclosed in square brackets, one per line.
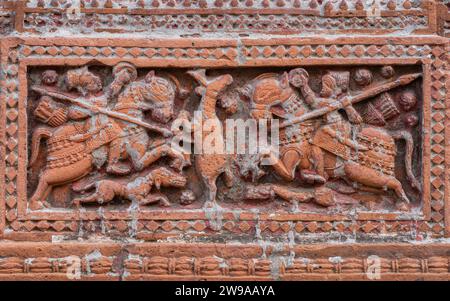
[144, 60]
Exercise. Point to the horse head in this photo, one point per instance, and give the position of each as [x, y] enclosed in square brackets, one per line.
[160, 92]
[267, 94]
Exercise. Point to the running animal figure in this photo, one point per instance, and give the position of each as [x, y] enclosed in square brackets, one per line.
[139, 190]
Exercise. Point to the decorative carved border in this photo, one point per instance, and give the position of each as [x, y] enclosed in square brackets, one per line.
[256, 16]
[17, 222]
[108, 261]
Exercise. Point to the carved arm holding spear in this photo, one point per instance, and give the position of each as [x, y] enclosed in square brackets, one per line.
[346, 101]
[335, 128]
[95, 109]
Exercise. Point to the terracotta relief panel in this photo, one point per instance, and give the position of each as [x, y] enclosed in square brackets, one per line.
[210, 146]
[366, 156]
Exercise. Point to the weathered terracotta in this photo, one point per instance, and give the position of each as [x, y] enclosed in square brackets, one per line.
[89, 105]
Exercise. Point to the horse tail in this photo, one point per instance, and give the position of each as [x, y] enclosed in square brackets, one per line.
[38, 134]
[408, 155]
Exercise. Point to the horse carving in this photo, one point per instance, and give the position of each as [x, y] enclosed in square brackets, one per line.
[326, 148]
[96, 133]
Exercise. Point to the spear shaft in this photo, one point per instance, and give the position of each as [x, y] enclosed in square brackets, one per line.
[94, 109]
[339, 104]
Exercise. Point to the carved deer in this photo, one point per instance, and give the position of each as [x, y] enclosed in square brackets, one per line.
[211, 166]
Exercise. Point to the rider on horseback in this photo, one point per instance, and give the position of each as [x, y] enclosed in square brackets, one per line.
[334, 135]
[100, 129]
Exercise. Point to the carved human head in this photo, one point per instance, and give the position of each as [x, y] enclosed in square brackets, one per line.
[229, 103]
[411, 120]
[161, 93]
[298, 77]
[187, 197]
[123, 74]
[387, 71]
[408, 100]
[363, 77]
[335, 83]
[49, 77]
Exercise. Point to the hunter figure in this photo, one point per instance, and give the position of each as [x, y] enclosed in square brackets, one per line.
[100, 129]
[334, 133]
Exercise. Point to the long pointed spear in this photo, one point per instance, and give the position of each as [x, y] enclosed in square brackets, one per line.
[85, 105]
[339, 104]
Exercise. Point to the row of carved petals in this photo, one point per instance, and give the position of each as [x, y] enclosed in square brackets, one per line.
[215, 266]
[15, 265]
[327, 6]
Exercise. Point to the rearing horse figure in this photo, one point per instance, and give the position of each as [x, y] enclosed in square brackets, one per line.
[155, 94]
[69, 155]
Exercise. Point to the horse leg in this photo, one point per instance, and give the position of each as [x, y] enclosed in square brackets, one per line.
[42, 189]
[318, 162]
[372, 178]
[115, 151]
